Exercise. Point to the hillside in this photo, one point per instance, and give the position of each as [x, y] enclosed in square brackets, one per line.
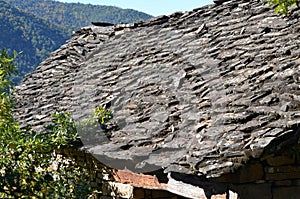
[32, 36]
[77, 15]
[37, 28]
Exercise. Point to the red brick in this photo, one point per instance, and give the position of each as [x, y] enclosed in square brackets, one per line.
[138, 180]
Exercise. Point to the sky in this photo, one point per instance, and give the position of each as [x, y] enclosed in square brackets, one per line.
[152, 7]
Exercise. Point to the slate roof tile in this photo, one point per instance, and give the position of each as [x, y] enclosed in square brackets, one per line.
[196, 92]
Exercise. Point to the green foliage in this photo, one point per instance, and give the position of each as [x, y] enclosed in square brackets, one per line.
[102, 114]
[65, 129]
[6, 69]
[282, 6]
[30, 165]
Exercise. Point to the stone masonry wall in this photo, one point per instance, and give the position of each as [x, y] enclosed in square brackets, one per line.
[102, 177]
[99, 174]
[274, 176]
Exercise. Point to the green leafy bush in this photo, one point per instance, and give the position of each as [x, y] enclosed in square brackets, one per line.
[102, 114]
[30, 163]
[282, 6]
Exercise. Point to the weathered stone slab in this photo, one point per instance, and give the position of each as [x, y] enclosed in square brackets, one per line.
[196, 92]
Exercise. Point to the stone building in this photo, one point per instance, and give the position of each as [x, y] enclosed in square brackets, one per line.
[206, 103]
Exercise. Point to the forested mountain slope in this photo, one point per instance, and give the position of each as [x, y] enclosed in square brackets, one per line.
[38, 27]
[26, 33]
[77, 15]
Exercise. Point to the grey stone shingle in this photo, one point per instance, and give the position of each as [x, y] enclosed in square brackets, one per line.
[200, 91]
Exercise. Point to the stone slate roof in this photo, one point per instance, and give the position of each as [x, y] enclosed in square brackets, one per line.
[198, 92]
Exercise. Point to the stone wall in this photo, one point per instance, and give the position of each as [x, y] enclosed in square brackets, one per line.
[274, 176]
[103, 178]
[140, 193]
[100, 175]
